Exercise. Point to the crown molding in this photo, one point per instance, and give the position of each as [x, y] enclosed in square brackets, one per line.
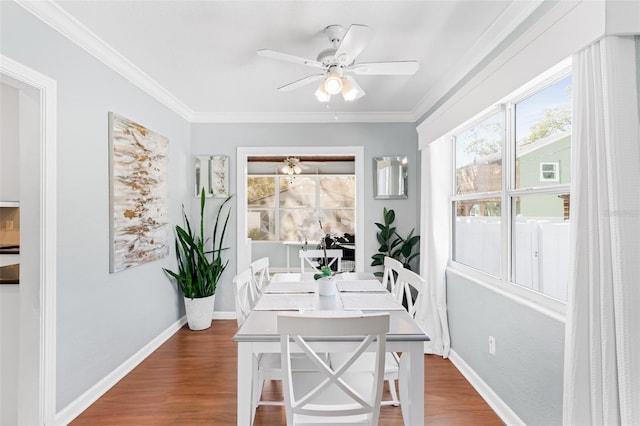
[303, 117]
[60, 20]
[502, 27]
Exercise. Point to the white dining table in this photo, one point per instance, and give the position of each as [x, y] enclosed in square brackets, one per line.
[357, 293]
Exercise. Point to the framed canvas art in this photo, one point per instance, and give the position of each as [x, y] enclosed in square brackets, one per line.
[139, 226]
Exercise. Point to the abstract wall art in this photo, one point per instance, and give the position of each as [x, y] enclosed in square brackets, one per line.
[139, 229]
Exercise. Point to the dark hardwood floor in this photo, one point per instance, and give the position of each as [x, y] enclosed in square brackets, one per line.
[191, 380]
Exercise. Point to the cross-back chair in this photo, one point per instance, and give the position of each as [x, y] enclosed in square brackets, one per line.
[333, 394]
[260, 271]
[309, 258]
[391, 268]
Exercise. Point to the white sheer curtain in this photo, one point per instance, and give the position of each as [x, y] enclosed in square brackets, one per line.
[602, 350]
[434, 252]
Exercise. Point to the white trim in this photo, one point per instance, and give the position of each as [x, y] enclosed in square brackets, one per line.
[76, 407]
[48, 225]
[243, 153]
[525, 297]
[224, 315]
[67, 25]
[431, 126]
[512, 17]
[506, 414]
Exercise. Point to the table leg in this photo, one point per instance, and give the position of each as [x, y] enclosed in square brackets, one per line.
[288, 261]
[411, 384]
[245, 370]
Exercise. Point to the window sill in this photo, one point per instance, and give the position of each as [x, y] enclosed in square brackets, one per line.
[552, 308]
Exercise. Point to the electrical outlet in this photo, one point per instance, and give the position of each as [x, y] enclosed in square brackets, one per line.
[492, 345]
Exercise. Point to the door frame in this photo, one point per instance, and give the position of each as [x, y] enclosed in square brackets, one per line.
[47, 89]
[242, 155]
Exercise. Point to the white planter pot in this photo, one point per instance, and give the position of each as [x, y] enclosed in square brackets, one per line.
[199, 312]
[327, 286]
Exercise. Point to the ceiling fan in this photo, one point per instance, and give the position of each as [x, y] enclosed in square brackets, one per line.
[292, 166]
[338, 62]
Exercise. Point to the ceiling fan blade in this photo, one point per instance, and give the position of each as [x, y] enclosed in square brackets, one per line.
[302, 82]
[386, 68]
[353, 42]
[272, 54]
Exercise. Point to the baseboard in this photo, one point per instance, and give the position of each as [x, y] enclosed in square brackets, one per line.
[503, 411]
[75, 408]
[228, 315]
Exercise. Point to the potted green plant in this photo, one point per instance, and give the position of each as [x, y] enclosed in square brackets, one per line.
[392, 244]
[199, 268]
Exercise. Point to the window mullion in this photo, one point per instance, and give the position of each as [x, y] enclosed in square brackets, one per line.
[277, 208]
[508, 183]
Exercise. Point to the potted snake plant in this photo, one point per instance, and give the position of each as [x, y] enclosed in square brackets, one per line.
[200, 268]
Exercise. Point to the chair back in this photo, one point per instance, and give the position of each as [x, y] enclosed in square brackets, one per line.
[409, 283]
[260, 271]
[331, 392]
[242, 290]
[309, 258]
[391, 268]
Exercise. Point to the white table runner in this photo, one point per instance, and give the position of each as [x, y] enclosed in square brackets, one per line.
[285, 302]
[369, 286]
[291, 287]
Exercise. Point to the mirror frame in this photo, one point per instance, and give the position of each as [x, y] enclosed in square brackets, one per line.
[390, 178]
[212, 173]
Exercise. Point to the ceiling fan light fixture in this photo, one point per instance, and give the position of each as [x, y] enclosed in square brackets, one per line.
[321, 94]
[291, 166]
[333, 82]
[351, 90]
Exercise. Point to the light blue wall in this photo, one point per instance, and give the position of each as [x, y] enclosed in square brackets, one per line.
[378, 139]
[102, 319]
[526, 371]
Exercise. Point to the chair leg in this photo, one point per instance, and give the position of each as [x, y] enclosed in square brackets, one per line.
[394, 396]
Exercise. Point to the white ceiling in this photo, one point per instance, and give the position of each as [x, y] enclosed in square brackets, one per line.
[203, 53]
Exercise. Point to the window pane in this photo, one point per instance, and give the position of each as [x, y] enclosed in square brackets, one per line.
[261, 191]
[477, 234]
[339, 222]
[298, 192]
[291, 224]
[261, 225]
[541, 243]
[543, 137]
[479, 157]
[337, 191]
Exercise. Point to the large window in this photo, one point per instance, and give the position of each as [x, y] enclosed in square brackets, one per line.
[279, 205]
[512, 176]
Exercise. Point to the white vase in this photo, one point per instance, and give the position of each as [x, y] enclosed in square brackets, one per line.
[327, 286]
[199, 312]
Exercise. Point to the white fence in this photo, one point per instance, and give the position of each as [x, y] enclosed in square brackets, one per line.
[540, 246]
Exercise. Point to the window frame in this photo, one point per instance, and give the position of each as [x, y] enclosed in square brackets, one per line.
[277, 208]
[505, 283]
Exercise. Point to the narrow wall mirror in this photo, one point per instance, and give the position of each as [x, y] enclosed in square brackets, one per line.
[390, 178]
[212, 174]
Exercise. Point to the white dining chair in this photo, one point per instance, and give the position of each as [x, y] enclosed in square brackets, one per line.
[267, 365]
[242, 284]
[260, 271]
[391, 268]
[408, 284]
[309, 258]
[333, 394]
